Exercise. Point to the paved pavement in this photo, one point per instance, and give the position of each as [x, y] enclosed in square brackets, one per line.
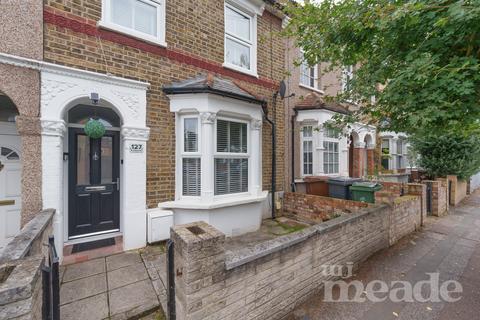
[448, 245]
[120, 286]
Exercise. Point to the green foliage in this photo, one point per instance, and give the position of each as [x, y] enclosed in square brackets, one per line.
[449, 153]
[424, 53]
[94, 129]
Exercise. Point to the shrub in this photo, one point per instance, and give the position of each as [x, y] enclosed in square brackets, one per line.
[448, 153]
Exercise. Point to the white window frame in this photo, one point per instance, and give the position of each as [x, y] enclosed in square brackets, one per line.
[306, 139]
[316, 78]
[232, 155]
[347, 75]
[329, 139]
[252, 43]
[189, 155]
[389, 153]
[107, 23]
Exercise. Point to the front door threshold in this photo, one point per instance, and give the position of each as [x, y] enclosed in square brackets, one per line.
[69, 257]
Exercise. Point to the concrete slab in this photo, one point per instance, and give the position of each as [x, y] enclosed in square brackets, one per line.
[127, 275]
[135, 298]
[83, 288]
[92, 308]
[84, 269]
[122, 260]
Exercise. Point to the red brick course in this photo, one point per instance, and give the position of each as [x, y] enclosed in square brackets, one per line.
[318, 208]
[194, 34]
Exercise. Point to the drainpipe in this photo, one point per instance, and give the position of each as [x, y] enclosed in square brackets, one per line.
[293, 120]
[274, 147]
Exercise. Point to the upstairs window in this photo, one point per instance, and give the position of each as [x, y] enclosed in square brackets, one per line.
[231, 158]
[309, 75]
[143, 19]
[240, 39]
[347, 77]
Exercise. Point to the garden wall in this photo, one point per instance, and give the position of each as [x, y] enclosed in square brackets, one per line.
[458, 190]
[20, 269]
[318, 208]
[268, 280]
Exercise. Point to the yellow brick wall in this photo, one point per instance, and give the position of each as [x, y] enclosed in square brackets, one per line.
[192, 27]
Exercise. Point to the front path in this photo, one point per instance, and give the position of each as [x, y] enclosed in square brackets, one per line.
[448, 245]
[121, 286]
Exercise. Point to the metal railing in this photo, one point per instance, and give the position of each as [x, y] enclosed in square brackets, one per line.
[51, 284]
[171, 311]
[429, 198]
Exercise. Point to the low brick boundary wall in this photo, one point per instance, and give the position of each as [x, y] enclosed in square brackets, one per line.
[458, 191]
[268, 280]
[20, 269]
[440, 198]
[318, 208]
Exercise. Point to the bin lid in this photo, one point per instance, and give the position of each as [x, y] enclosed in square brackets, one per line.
[366, 186]
[316, 178]
[345, 181]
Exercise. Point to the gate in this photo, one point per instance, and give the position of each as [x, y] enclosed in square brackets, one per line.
[429, 198]
[171, 311]
[51, 284]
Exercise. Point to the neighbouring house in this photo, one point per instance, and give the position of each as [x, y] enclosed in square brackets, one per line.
[316, 150]
[394, 164]
[181, 88]
[20, 135]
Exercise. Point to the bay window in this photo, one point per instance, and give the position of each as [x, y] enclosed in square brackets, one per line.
[143, 19]
[191, 160]
[386, 154]
[240, 39]
[231, 157]
[331, 155]
[307, 150]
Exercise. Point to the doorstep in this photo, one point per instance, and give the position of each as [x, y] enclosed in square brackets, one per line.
[69, 257]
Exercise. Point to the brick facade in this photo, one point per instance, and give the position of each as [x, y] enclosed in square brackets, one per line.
[194, 35]
[318, 208]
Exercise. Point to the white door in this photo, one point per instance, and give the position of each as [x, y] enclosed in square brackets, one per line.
[10, 182]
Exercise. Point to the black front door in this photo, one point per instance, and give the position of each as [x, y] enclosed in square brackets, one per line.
[94, 172]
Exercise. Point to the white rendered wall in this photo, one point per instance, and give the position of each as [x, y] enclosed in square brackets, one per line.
[63, 88]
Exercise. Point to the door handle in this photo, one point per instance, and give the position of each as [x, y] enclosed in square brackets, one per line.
[7, 202]
[96, 188]
[118, 184]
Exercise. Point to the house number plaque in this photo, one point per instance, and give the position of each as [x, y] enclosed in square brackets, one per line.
[136, 148]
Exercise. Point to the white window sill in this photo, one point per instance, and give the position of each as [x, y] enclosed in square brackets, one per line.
[132, 33]
[239, 69]
[311, 88]
[215, 204]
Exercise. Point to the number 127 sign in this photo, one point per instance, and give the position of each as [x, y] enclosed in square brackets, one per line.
[136, 148]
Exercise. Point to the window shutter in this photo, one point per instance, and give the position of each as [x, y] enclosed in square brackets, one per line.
[191, 176]
[231, 176]
[190, 133]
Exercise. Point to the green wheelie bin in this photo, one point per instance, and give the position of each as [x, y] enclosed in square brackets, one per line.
[364, 191]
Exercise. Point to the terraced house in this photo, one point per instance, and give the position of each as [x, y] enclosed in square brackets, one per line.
[145, 114]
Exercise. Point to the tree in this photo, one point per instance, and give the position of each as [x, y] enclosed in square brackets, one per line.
[420, 59]
[448, 153]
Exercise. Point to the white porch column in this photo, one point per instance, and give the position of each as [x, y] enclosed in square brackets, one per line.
[207, 150]
[133, 187]
[344, 156]
[255, 157]
[53, 132]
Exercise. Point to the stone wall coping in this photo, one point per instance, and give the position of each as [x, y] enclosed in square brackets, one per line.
[243, 256]
[21, 244]
[20, 283]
